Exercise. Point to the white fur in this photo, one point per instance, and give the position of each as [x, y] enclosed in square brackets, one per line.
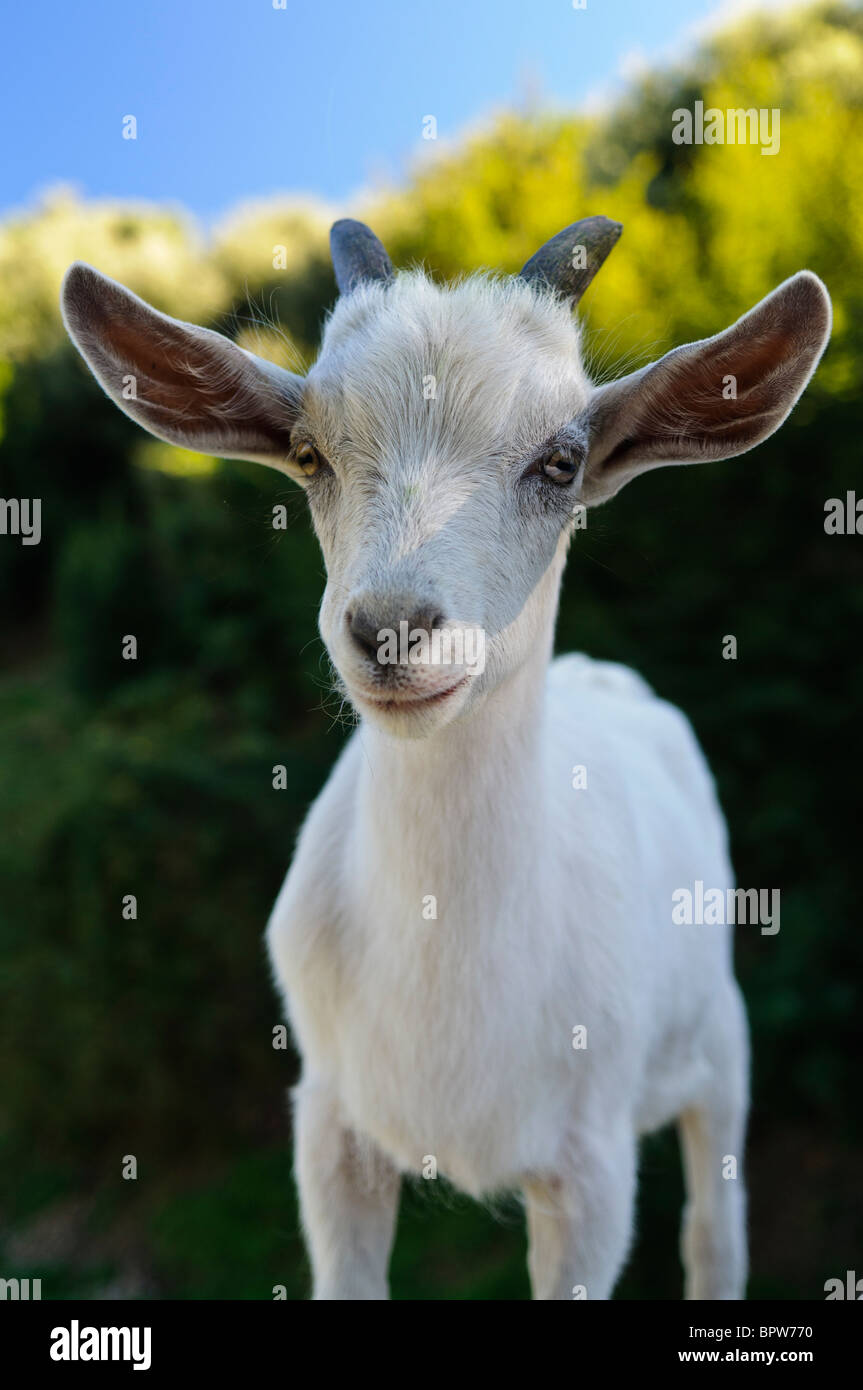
[451, 1038]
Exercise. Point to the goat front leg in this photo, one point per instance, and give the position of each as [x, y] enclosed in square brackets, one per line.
[349, 1196]
[580, 1219]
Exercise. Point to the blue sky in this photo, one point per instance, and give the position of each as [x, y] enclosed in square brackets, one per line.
[235, 99]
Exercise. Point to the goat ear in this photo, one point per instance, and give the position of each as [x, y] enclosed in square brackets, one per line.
[712, 399]
[189, 386]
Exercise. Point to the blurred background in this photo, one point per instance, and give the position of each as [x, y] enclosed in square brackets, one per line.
[154, 1037]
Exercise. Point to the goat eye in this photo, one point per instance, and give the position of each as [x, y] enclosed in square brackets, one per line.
[308, 458]
[559, 466]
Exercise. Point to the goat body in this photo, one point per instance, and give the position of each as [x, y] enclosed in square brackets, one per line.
[450, 1039]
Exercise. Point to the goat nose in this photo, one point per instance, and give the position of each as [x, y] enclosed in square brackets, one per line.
[369, 633]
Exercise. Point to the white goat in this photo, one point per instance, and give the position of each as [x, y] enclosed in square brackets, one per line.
[457, 915]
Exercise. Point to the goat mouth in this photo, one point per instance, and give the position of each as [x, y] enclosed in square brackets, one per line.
[392, 704]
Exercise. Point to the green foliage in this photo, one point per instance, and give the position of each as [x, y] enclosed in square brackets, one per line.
[154, 777]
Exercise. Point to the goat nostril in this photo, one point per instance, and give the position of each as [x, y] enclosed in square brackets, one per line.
[364, 632]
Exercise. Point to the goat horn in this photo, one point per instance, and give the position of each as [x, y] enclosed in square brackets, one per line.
[357, 255]
[555, 264]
